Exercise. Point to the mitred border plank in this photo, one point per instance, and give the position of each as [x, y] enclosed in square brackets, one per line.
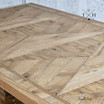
[21, 94]
[63, 13]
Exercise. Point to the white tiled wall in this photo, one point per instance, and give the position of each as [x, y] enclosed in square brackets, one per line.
[71, 6]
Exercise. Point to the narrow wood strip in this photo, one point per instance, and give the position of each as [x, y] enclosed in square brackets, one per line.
[98, 51]
[10, 26]
[13, 44]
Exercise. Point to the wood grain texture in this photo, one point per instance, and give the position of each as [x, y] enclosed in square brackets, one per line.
[47, 55]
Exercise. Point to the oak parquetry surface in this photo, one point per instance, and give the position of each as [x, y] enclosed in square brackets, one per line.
[51, 57]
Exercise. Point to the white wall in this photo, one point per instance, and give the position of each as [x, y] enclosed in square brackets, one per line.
[71, 6]
[7, 3]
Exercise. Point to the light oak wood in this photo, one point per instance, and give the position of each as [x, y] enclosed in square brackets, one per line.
[48, 56]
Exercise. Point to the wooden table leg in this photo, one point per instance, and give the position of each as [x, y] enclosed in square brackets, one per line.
[6, 98]
[2, 95]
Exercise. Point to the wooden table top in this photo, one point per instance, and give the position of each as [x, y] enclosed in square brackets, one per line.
[51, 57]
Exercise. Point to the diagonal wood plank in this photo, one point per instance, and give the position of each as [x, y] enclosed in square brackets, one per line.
[23, 49]
[91, 71]
[89, 94]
